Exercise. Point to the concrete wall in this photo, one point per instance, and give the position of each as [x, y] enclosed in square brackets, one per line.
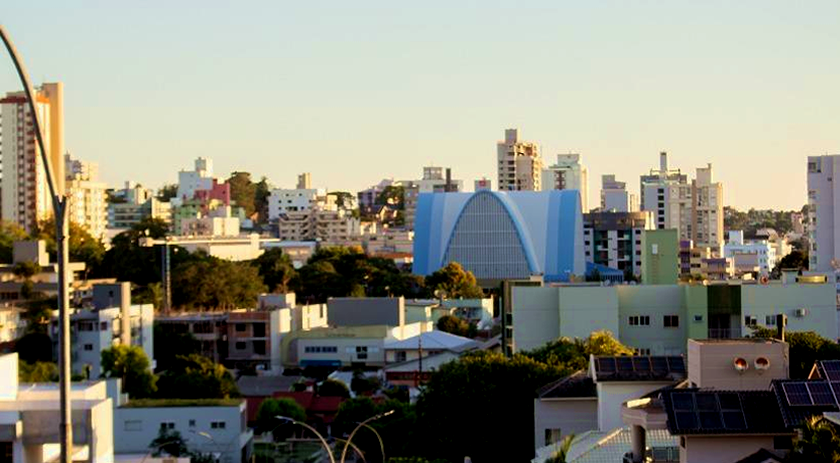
[613, 393]
[9, 378]
[346, 350]
[714, 449]
[135, 428]
[655, 302]
[536, 316]
[584, 309]
[696, 302]
[351, 311]
[819, 300]
[570, 416]
[710, 364]
[660, 256]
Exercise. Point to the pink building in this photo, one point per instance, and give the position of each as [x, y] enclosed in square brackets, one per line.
[219, 191]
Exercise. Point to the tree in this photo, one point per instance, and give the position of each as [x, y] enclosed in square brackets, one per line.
[243, 191]
[262, 190]
[130, 364]
[276, 269]
[392, 196]
[38, 372]
[574, 353]
[796, 260]
[819, 442]
[34, 347]
[455, 282]
[9, 233]
[364, 385]
[170, 345]
[343, 199]
[806, 347]
[167, 192]
[127, 260]
[270, 409]
[169, 442]
[482, 387]
[83, 247]
[211, 283]
[454, 325]
[25, 271]
[333, 388]
[196, 377]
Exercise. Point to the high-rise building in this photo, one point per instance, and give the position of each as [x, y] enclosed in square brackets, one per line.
[435, 180]
[615, 197]
[520, 164]
[86, 197]
[823, 216]
[614, 239]
[707, 210]
[568, 174]
[26, 197]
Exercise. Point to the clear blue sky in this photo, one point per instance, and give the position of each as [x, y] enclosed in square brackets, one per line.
[357, 91]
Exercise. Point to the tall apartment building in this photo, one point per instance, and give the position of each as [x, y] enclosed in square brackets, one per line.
[519, 162]
[435, 180]
[823, 217]
[614, 239]
[86, 197]
[568, 174]
[132, 204]
[615, 197]
[695, 209]
[25, 192]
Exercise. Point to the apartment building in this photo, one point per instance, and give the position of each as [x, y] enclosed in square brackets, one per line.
[614, 239]
[132, 204]
[615, 197]
[568, 173]
[749, 253]
[26, 199]
[823, 203]
[519, 163]
[435, 180]
[86, 196]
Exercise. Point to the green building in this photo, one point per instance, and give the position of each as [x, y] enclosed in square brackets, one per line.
[660, 257]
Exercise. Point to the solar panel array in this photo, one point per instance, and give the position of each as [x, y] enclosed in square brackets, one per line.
[708, 411]
[812, 393]
[640, 365]
[831, 369]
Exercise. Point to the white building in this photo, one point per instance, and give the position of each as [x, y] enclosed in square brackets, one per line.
[614, 239]
[190, 181]
[86, 197]
[823, 216]
[12, 323]
[282, 201]
[435, 180]
[615, 197]
[707, 210]
[519, 163]
[760, 250]
[26, 197]
[568, 174]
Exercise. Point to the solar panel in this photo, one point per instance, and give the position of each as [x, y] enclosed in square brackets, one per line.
[605, 365]
[831, 365]
[710, 420]
[683, 401]
[706, 402]
[797, 393]
[833, 375]
[676, 364]
[734, 420]
[641, 364]
[686, 420]
[624, 364]
[659, 365]
[821, 393]
[729, 401]
[835, 386]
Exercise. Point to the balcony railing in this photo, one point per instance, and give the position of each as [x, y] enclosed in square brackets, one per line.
[724, 333]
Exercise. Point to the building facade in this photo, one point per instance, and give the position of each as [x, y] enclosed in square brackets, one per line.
[86, 197]
[615, 197]
[435, 180]
[519, 163]
[759, 252]
[823, 216]
[501, 235]
[568, 174]
[614, 239]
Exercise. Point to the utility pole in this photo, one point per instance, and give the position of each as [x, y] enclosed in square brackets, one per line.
[59, 201]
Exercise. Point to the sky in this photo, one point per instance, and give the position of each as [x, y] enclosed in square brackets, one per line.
[354, 92]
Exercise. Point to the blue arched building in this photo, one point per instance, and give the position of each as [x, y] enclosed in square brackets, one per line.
[501, 235]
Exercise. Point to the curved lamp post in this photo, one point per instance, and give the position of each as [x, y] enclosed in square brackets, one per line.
[59, 202]
[362, 424]
[355, 447]
[378, 436]
[318, 434]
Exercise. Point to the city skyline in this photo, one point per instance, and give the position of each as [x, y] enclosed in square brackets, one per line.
[375, 90]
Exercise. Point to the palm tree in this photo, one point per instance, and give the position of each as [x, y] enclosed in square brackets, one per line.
[819, 441]
[559, 455]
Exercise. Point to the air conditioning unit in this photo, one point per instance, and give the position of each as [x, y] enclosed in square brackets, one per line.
[698, 318]
[801, 312]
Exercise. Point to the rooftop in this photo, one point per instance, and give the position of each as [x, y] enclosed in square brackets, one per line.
[638, 368]
[164, 403]
[607, 447]
[706, 411]
[578, 384]
[434, 340]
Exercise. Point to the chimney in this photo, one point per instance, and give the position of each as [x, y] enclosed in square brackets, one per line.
[781, 324]
[448, 187]
[663, 161]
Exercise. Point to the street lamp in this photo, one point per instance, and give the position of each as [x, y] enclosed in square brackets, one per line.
[318, 434]
[362, 424]
[59, 202]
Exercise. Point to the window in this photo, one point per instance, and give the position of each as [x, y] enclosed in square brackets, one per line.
[401, 356]
[103, 326]
[552, 436]
[133, 425]
[217, 425]
[259, 330]
[240, 327]
[640, 320]
[770, 320]
[259, 347]
[361, 352]
[164, 425]
[641, 351]
[240, 345]
[192, 423]
[89, 347]
[671, 321]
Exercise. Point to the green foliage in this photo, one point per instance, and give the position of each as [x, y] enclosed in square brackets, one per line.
[398, 430]
[170, 345]
[457, 326]
[483, 388]
[9, 233]
[818, 443]
[131, 365]
[333, 388]
[38, 372]
[343, 199]
[194, 376]
[243, 191]
[753, 220]
[363, 385]
[127, 260]
[559, 456]
[574, 353]
[167, 192]
[806, 347]
[796, 260]
[455, 282]
[83, 247]
[169, 442]
[34, 347]
[276, 269]
[271, 408]
[392, 196]
[207, 282]
[38, 313]
[261, 194]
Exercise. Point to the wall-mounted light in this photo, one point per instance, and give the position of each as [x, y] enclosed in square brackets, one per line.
[740, 364]
[762, 363]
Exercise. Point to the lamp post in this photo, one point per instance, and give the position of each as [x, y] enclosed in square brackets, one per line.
[379, 437]
[59, 202]
[362, 424]
[318, 434]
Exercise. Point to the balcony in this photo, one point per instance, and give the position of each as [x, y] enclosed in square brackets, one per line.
[724, 333]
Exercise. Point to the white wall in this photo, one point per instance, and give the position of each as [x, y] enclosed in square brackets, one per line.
[570, 416]
[611, 394]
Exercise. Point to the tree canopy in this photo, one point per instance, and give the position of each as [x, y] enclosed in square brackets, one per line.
[38, 372]
[455, 282]
[276, 269]
[210, 283]
[131, 365]
[333, 388]
[271, 408]
[9, 233]
[457, 326]
[195, 376]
